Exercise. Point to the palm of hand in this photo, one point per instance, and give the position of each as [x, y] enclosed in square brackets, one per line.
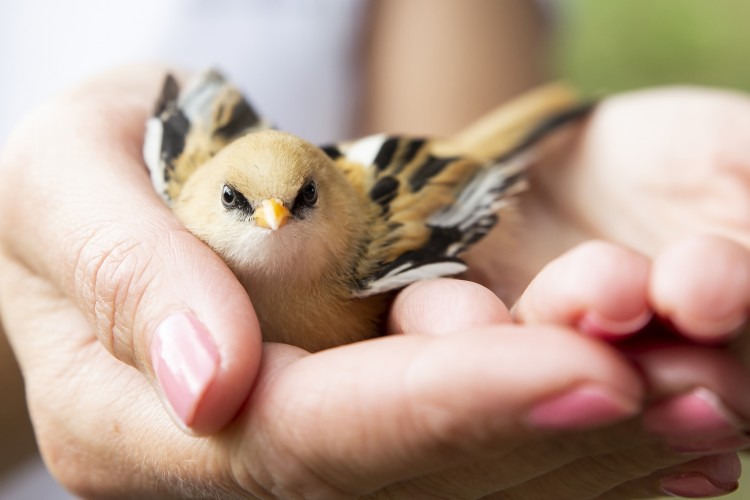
[657, 166]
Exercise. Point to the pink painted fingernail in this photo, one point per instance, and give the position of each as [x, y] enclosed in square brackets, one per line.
[185, 360]
[694, 485]
[597, 325]
[704, 477]
[695, 422]
[581, 408]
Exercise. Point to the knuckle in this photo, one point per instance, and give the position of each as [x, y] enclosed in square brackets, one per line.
[112, 277]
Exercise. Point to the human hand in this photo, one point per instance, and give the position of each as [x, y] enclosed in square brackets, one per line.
[656, 166]
[406, 415]
[663, 172]
[87, 292]
[650, 168]
[681, 155]
[697, 394]
[86, 242]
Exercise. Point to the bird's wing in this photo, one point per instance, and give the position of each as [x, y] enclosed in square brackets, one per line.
[426, 209]
[191, 125]
[429, 207]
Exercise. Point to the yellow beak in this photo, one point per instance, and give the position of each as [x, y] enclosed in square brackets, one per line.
[272, 214]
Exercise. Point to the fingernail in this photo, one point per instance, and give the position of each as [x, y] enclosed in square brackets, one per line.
[694, 485]
[696, 421]
[597, 325]
[185, 360]
[583, 407]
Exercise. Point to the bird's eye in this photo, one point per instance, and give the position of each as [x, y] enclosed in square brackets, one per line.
[308, 195]
[232, 199]
[229, 197]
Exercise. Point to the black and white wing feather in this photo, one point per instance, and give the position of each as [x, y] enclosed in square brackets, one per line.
[191, 125]
[432, 208]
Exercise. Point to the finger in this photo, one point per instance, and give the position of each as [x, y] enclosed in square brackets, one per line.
[407, 404]
[597, 287]
[445, 306]
[593, 476]
[421, 403]
[541, 468]
[701, 397]
[702, 285]
[710, 476]
[700, 408]
[160, 299]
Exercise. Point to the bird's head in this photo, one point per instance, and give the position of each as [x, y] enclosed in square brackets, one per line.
[271, 203]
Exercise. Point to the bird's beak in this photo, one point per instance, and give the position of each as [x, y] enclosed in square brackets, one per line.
[272, 214]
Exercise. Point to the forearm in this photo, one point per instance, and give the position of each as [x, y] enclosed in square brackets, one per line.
[431, 68]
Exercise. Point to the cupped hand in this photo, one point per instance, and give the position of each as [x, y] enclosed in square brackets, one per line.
[646, 170]
[662, 176]
[490, 408]
[672, 317]
[86, 242]
[94, 277]
[98, 280]
[696, 403]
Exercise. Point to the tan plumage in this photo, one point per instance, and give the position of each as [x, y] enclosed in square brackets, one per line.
[299, 277]
[321, 237]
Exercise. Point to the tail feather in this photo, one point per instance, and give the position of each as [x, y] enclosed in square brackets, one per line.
[510, 127]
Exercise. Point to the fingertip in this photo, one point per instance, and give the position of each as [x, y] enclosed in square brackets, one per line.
[205, 355]
[709, 476]
[240, 347]
[445, 306]
[185, 361]
[702, 286]
[598, 288]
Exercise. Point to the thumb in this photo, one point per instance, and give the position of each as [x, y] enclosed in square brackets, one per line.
[445, 306]
[156, 297]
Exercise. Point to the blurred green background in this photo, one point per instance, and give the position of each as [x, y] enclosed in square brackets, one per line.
[615, 45]
[606, 46]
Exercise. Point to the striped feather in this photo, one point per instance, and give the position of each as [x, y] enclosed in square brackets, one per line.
[428, 201]
[433, 210]
[188, 127]
[432, 207]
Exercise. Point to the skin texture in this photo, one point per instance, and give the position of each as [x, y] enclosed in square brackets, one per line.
[453, 415]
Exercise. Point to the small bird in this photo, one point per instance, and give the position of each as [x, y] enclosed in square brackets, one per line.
[322, 237]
